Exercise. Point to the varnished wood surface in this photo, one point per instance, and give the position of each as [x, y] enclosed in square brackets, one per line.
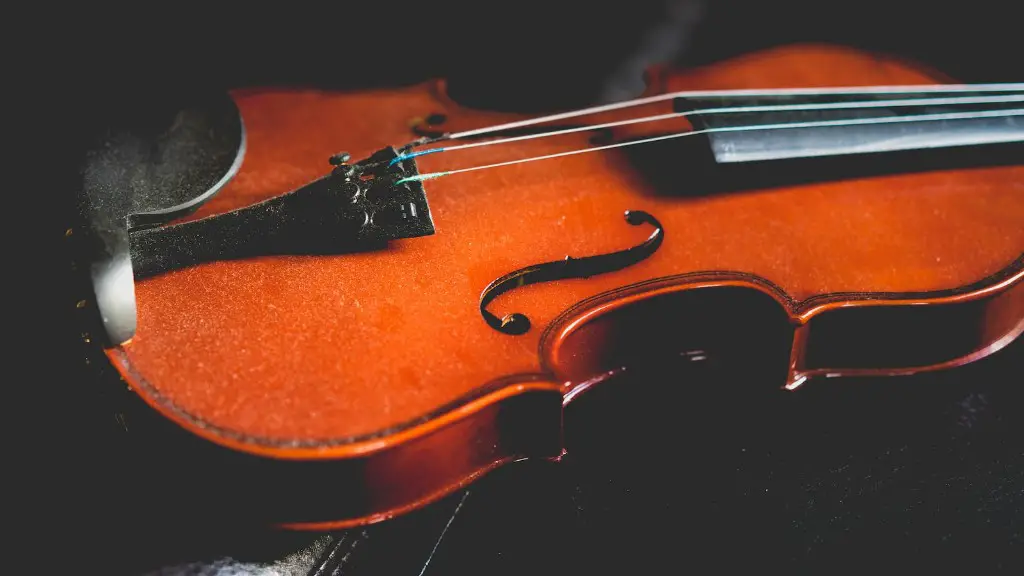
[350, 356]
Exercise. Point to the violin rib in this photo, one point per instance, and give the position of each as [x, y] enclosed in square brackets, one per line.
[374, 373]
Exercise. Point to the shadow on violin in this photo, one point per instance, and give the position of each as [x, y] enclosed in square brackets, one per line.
[687, 167]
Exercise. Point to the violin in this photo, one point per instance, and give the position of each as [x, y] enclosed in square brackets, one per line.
[431, 304]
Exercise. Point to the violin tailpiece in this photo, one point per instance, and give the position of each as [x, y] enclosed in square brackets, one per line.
[358, 207]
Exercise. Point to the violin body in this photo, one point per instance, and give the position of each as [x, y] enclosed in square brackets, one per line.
[378, 368]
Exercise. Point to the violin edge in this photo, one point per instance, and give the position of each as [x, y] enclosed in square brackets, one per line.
[522, 416]
[1002, 291]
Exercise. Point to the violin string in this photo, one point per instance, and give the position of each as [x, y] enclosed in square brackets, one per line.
[791, 125]
[727, 110]
[846, 90]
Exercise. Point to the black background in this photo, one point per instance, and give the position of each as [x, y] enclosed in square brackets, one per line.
[920, 474]
[526, 54]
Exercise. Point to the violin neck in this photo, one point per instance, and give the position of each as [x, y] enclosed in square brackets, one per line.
[749, 127]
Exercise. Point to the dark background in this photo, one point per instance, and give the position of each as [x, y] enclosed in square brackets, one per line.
[530, 54]
[919, 474]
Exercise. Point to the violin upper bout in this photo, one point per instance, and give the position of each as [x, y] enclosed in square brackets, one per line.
[801, 65]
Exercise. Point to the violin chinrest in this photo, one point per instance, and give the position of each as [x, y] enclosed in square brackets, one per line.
[152, 161]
